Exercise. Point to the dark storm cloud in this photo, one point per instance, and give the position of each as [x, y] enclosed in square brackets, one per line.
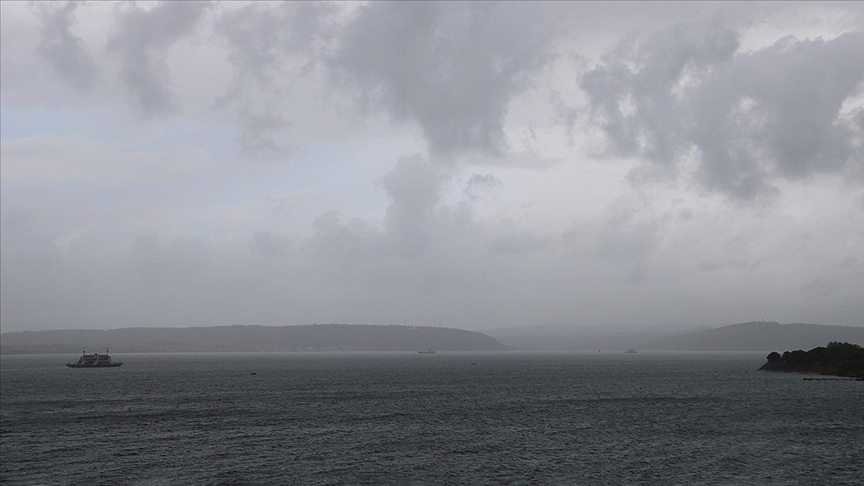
[262, 40]
[270, 47]
[780, 107]
[63, 50]
[478, 182]
[631, 91]
[752, 117]
[451, 67]
[141, 42]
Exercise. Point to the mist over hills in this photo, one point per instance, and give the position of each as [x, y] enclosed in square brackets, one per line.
[759, 336]
[747, 336]
[316, 337]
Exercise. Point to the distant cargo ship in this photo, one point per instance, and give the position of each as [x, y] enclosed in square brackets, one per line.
[95, 360]
[426, 351]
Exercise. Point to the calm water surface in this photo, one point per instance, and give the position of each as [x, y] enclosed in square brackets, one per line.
[495, 418]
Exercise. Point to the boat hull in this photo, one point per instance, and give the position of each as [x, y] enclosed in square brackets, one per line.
[112, 365]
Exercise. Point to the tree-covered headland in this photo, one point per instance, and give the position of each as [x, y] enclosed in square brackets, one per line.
[837, 359]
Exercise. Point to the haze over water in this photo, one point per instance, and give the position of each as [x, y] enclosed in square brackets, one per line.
[632, 167]
[404, 418]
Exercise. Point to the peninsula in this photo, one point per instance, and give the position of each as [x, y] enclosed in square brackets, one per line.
[315, 337]
[837, 359]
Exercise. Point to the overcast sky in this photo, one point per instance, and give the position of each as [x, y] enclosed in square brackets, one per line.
[471, 165]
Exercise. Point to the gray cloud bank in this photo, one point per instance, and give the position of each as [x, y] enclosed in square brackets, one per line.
[747, 117]
[141, 41]
[62, 49]
[452, 68]
[216, 163]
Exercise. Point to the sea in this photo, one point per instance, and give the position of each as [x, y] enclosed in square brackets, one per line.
[495, 418]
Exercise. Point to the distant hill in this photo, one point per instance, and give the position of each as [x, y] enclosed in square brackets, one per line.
[316, 337]
[576, 338]
[758, 336]
[586, 337]
[748, 336]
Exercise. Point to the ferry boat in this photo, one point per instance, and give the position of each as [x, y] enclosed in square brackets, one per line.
[95, 360]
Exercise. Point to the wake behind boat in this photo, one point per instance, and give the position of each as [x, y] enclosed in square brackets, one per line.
[95, 360]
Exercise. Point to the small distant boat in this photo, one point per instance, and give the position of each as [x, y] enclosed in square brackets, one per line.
[630, 351]
[426, 351]
[95, 360]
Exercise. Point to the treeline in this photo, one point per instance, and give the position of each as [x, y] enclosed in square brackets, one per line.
[838, 359]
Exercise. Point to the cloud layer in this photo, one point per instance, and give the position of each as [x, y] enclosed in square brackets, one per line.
[454, 69]
[477, 165]
[748, 118]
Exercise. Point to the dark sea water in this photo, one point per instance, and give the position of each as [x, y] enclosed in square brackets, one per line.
[448, 418]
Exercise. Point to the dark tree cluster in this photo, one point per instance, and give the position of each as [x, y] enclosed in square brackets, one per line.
[839, 359]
